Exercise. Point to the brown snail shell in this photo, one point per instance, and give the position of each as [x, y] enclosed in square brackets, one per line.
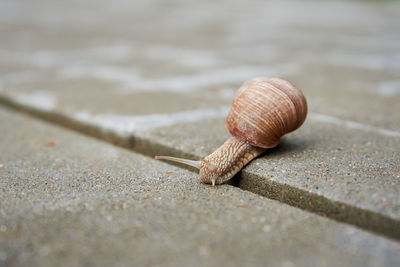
[263, 110]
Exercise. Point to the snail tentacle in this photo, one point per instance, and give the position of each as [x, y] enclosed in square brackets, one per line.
[193, 163]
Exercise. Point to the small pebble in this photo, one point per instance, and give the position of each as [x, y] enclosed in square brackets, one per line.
[168, 172]
[49, 143]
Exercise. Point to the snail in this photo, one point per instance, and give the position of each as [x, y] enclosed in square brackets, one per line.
[262, 111]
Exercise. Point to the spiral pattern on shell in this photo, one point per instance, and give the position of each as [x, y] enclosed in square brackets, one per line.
[264, 110]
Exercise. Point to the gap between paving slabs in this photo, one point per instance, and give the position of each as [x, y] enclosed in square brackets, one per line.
[246, 180]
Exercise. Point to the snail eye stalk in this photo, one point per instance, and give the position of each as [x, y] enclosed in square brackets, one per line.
[193, 163]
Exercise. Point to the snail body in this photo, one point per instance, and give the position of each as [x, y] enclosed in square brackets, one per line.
[263, 110]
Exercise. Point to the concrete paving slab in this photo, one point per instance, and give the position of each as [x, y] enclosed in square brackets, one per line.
[345, 171]
[68, 199]
[163, 87]
[348, 174]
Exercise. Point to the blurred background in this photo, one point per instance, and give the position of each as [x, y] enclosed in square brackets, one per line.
[151, 57]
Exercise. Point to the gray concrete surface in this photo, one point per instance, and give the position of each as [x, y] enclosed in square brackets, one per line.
[157, 85]
[343, 173]
[159, 78]
[70, 200]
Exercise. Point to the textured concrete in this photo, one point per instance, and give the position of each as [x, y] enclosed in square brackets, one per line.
[348, 174]
[67, 199]
[136, 75]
